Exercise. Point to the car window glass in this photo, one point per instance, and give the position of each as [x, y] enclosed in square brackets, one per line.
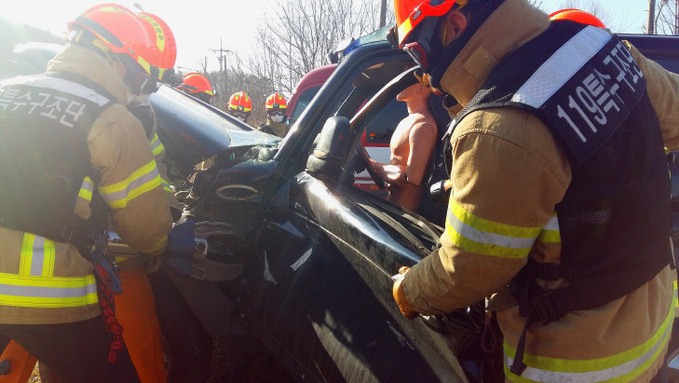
[303, 102]
[379, 129]
[367, 84]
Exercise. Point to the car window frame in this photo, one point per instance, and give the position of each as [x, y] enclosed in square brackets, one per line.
[299, 142]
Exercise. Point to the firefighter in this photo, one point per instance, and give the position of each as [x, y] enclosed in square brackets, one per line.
[135, 307]
[80, 159]
[198, 86]
[239, 106]
[276, 124]
[560, 204]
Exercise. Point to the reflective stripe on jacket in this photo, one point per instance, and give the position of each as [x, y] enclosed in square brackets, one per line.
[35, 284]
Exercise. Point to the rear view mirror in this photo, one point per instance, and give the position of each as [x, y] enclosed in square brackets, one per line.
[331, 148]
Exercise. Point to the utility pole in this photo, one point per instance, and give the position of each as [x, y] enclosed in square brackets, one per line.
[650, 25]
[383, 14]
[221, 56]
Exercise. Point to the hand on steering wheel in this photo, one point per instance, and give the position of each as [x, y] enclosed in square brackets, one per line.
[363, 154]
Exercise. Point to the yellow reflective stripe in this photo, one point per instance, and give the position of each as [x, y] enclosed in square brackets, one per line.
[482, 236]
[158, 149]
[37, 256]
[622, 367]
[676, 295]
[26, 259]
[141, 181]
[159, 245]
[86, 189]
[48, 259]
[550, 232]
[160, 36]
[166, 186]
[47, 292]
[85, 194]
[156, 146]
[38, 302]
[144, 64]
[404, 29]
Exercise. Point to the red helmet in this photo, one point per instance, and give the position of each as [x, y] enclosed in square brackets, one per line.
[163, 49]
[577, 15]
[119, 30]
[275, 102]
[240, 102]
[197, 85]
[410, 13]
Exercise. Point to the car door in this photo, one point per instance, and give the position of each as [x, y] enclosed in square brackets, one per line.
[319, 294]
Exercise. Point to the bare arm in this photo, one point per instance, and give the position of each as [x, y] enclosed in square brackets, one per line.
[422, 141]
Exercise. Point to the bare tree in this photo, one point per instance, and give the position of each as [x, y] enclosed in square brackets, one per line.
[303, 32]
[666, 17]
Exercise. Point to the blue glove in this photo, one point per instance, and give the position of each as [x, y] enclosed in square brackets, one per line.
[181, 243]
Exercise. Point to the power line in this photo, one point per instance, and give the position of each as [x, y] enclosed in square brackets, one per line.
[221, 56]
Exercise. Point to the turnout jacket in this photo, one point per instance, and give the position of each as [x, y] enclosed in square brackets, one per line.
[508, 174]
[279, 129]
[43, 281]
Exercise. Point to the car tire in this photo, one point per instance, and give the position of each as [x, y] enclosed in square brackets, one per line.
[187, 347]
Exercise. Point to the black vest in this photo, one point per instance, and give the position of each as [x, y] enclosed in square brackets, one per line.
[614, 219]
[44, 157]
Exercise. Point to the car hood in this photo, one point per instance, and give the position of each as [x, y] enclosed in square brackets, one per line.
[193, 131]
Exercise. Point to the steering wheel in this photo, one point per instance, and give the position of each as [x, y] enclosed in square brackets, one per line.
[365, 157]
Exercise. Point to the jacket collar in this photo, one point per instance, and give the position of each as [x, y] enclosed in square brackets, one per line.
[92, 66]
[513, 24]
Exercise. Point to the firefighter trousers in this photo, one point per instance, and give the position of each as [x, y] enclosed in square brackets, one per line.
[76, 352]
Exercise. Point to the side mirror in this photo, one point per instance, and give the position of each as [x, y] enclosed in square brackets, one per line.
[331, 149]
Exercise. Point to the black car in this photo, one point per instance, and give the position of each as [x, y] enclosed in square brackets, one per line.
[292, 257]
[319, 253]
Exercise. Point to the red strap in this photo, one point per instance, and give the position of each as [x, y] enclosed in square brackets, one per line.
[107, 304]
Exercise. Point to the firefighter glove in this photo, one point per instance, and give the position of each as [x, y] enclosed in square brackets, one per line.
[399, 296]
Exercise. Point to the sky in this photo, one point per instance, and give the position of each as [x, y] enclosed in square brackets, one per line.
[200, 26]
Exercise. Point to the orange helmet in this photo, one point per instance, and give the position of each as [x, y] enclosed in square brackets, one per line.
[163, 49]
[117, 29]
[410, 13]
[198, 86]
[275, 102]
[577, 15]
[240, 101]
